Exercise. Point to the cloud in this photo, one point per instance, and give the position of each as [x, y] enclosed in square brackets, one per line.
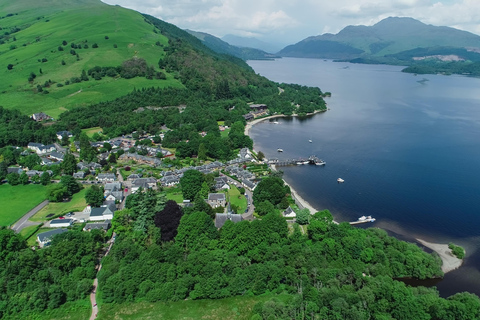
[294, 20]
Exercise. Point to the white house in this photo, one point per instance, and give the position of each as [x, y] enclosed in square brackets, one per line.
[44, 238]
[61, 223]
[289, 213]
[100, 214]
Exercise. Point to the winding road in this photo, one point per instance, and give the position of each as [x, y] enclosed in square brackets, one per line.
[23, 222]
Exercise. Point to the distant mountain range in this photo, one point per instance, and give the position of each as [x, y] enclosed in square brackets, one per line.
[392, 40]
[220, 46]
[252, 43]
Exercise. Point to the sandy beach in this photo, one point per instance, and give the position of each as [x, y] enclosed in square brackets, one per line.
[255, 121]
[450, 262]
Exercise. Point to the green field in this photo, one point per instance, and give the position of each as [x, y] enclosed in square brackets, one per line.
[175, 194]
[43, 28]
[18, 200]
[77, 203]
[237, 199]
[238, 308]
[91, 131]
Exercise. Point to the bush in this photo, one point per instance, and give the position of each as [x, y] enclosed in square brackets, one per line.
[457, 251]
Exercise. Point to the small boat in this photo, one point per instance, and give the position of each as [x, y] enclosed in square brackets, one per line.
[340, 180]
[310, 141]
[306, 162]
[275, 122]
[280, 150]
[320, 162]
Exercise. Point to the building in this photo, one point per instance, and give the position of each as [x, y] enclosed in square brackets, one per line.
[106, 177]
[40, 148]
[289, 213]
[45, 238]
[144, 183]
[60, 134]
[100, 214]
[221, 218]
[61, 223]
[221, 183]
[216, 200]
[40, 116]
[98, 225]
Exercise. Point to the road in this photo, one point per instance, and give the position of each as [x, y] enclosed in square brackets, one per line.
[93, 295]
[249, 214]
[23, 222]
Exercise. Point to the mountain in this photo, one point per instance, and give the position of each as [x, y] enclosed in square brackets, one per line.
[386, 38]
[252, 43]
[220, 46]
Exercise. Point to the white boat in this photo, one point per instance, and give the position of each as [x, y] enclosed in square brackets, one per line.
[362, 218]
[320, 162]
[340, 180]
[280, 150]
[306, 162]
[310, 141]
[275, 122]
[299, 163]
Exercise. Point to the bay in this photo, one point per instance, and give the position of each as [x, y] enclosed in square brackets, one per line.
[408, 148]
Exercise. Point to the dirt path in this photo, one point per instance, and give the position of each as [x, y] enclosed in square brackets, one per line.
[93, 295]
[23, 222]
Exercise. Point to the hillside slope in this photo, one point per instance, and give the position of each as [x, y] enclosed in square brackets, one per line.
[56, 40]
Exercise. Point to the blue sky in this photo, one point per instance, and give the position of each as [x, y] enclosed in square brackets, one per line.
[289, 21]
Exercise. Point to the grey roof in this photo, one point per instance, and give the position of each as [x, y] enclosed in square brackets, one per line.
[288, 211]
[57, 155]
[59, 221]
[32, 173]
[46, 236]
[113, 186]
[14, 170]
[248, 183]
[79, 174]
[34, 145]
[216, 196]
[221, 218]
[97, 212]
[98, 225]
[106, 176]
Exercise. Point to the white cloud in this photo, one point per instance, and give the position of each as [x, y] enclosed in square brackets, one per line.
[292, 21]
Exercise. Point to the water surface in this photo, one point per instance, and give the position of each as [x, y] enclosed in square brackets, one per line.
[408, 148]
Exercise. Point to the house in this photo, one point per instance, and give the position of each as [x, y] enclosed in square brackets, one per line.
[169, 181]
[57, 156]
[248, 184]
[14, 170]
[106, 177]
[111, 187]
[98, 225]
[40, 116]
[114, 196]
[134, 176]
[221, 183]
[248, 116]
[216, 200]
[289, 213]
[45, 238]
[40, 148]
[221, 218]
[79, 175]
[61, 223]
[32, 173]
[144, 183]
[100, 214]
[60, 134]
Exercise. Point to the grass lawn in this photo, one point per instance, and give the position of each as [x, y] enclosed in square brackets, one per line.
[237, 308]
[18, 200]
[175, 194]
[224, 133]
[77, 310]
[237, 199]
[32, 240]
[76, 204]
[91, 131]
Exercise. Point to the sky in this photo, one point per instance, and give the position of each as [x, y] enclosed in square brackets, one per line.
[290, 21]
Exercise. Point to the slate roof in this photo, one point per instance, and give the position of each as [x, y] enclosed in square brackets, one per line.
[61, 221]
[98, 225]
[47, 236]
[221, 218]
[216, 197]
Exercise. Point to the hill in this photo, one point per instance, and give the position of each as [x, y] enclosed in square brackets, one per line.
[252, 43]
[220, 46]
[382, 41]
[54, 41]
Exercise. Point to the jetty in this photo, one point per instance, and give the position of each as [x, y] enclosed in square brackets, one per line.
[297, 161]
[363, 219]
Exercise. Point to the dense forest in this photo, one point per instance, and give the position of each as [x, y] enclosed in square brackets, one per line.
[36, 280]
[330, 271]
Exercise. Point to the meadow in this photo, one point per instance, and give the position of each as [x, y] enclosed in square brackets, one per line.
[18, 200]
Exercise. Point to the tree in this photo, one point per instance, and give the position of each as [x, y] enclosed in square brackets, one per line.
[65, 140]
[23, 179]
[168, 220]
[71, 185]
[87, 152]
[202, 152]
[13, 178]
[271, 189]
[112, 158]
[260, 156]
[3, 170]
[10, 66]
[45, 178]
[94, 196]
[195, 231]
[191, 183]
[31, 161]
[303, 216]
[56, 192]
[69, 164]
[264, 208]
[201, 205]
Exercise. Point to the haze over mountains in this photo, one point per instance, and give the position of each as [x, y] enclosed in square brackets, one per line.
[388, 37]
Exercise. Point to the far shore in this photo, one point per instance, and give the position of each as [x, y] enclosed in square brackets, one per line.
[450, 262]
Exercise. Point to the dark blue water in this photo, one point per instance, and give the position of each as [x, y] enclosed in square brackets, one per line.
[408, 150]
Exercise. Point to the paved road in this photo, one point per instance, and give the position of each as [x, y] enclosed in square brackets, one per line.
[23, 222]
[249, 214]
[93, 299]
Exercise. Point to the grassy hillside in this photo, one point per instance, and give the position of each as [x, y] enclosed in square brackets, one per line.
[36, 32]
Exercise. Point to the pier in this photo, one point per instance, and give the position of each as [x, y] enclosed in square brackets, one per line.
[298, 161]
[363, 219]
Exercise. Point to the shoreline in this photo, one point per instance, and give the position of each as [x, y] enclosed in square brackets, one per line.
[250, 124]
[450, 262]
